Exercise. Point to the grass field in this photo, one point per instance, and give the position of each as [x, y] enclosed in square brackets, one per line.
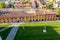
[3, 26]
[34, 31]
[33, 24]
[5, 33]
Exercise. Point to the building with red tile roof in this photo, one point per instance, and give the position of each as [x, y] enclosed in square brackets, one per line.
[38, 15]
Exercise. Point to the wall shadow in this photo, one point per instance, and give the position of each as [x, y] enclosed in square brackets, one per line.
[36, 33]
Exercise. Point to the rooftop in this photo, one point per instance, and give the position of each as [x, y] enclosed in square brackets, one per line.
[18, 13]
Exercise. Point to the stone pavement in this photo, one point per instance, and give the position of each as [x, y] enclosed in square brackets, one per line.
[13, 31]
[0, 38]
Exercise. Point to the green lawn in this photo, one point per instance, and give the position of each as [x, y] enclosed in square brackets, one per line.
[57, 23]
[5, 33]
[4, 25]
[34, 31]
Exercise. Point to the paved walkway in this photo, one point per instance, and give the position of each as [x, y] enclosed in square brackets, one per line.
[3, 29]
[13, 32]
[0, 38]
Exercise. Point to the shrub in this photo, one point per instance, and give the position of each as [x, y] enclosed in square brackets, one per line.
[58, 10]
[49, 5]
[2, 5]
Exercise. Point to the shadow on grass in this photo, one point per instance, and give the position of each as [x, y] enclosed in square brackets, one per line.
[36, 33]
[4, 33]
[1, 28]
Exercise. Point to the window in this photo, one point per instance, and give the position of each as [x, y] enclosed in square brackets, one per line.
[42, 19]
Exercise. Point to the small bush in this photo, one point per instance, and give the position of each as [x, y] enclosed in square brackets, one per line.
[2, 5]
[58, 10]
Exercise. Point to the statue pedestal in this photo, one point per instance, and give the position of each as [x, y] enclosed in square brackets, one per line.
[44, 30]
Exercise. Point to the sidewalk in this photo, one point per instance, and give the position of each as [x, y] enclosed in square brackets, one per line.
[0, 38]
[13, 31]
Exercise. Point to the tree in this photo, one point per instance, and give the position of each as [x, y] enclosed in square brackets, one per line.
[2, 5]
[49, 5]
[58, 10]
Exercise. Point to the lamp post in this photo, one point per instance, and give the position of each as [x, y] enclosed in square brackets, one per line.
[44, 30]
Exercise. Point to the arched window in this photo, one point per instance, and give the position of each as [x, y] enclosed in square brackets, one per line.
[42, 19]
